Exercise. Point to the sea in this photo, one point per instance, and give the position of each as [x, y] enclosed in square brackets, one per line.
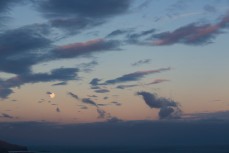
[154, 149]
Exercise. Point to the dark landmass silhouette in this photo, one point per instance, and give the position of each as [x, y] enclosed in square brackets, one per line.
[5, 147]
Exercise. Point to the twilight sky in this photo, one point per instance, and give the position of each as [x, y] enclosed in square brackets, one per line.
[111, 60]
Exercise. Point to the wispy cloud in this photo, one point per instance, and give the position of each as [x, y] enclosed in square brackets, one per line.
[84, 48]
[141, 62]
[102, 91]
[156, 81]
[135, 76]
[192, 34]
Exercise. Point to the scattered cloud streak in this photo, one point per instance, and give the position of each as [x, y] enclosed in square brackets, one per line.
[141, 62]
[7, 116]
[192, 34]
[135, 76]
[85, 48]
[73, 95]
[89, 101]
[102, 91]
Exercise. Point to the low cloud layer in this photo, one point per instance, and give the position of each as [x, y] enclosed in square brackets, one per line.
[169, 109]
[120, 133]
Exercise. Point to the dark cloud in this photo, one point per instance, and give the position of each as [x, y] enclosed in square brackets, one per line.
[116, 103]
[114, 120]
[48, 92]
[89, 101]
[168, 108]
[134, 76]
[83, 107]
[117, 33]
[5, 92]
[75, 15]
[73, 95]
[156, 81]
[136, 38]
[58, 110]
[83, 8]
[88, 67]
[4, 115]
[20, 47]
[101, 91]
[192, 34]
[60, 84]
[126, 86]
[85, 48]
[61, 74]
[95, 81]
[75, 24]
[102, 113]
[105, 97]
[140, 62]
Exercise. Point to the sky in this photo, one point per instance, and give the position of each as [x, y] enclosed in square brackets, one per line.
[92, 63]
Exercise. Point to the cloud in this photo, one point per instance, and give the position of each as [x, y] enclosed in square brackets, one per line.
[75, 24]
[117, 33]
[4, 115]
[134, 76]
[102, 114]
[85, 48]
[219, 115]
[83, 107]
[5, 92]
[82, 8]
[19, 48]
[60, 84]
[140, 62]
[58, 110]
[75, 15]
[116, 103]
[192, 34]
[61, 74]
[136, 38]
[95, 81]
[88, 67]
[101, 91]
[73, 95]
[126, 86]
[168, 108]
[89, 101]
[156, 81]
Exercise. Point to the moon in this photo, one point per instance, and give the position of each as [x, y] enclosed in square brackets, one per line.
[52, 95]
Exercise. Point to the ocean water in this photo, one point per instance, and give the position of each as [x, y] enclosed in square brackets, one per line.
[159, 149]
